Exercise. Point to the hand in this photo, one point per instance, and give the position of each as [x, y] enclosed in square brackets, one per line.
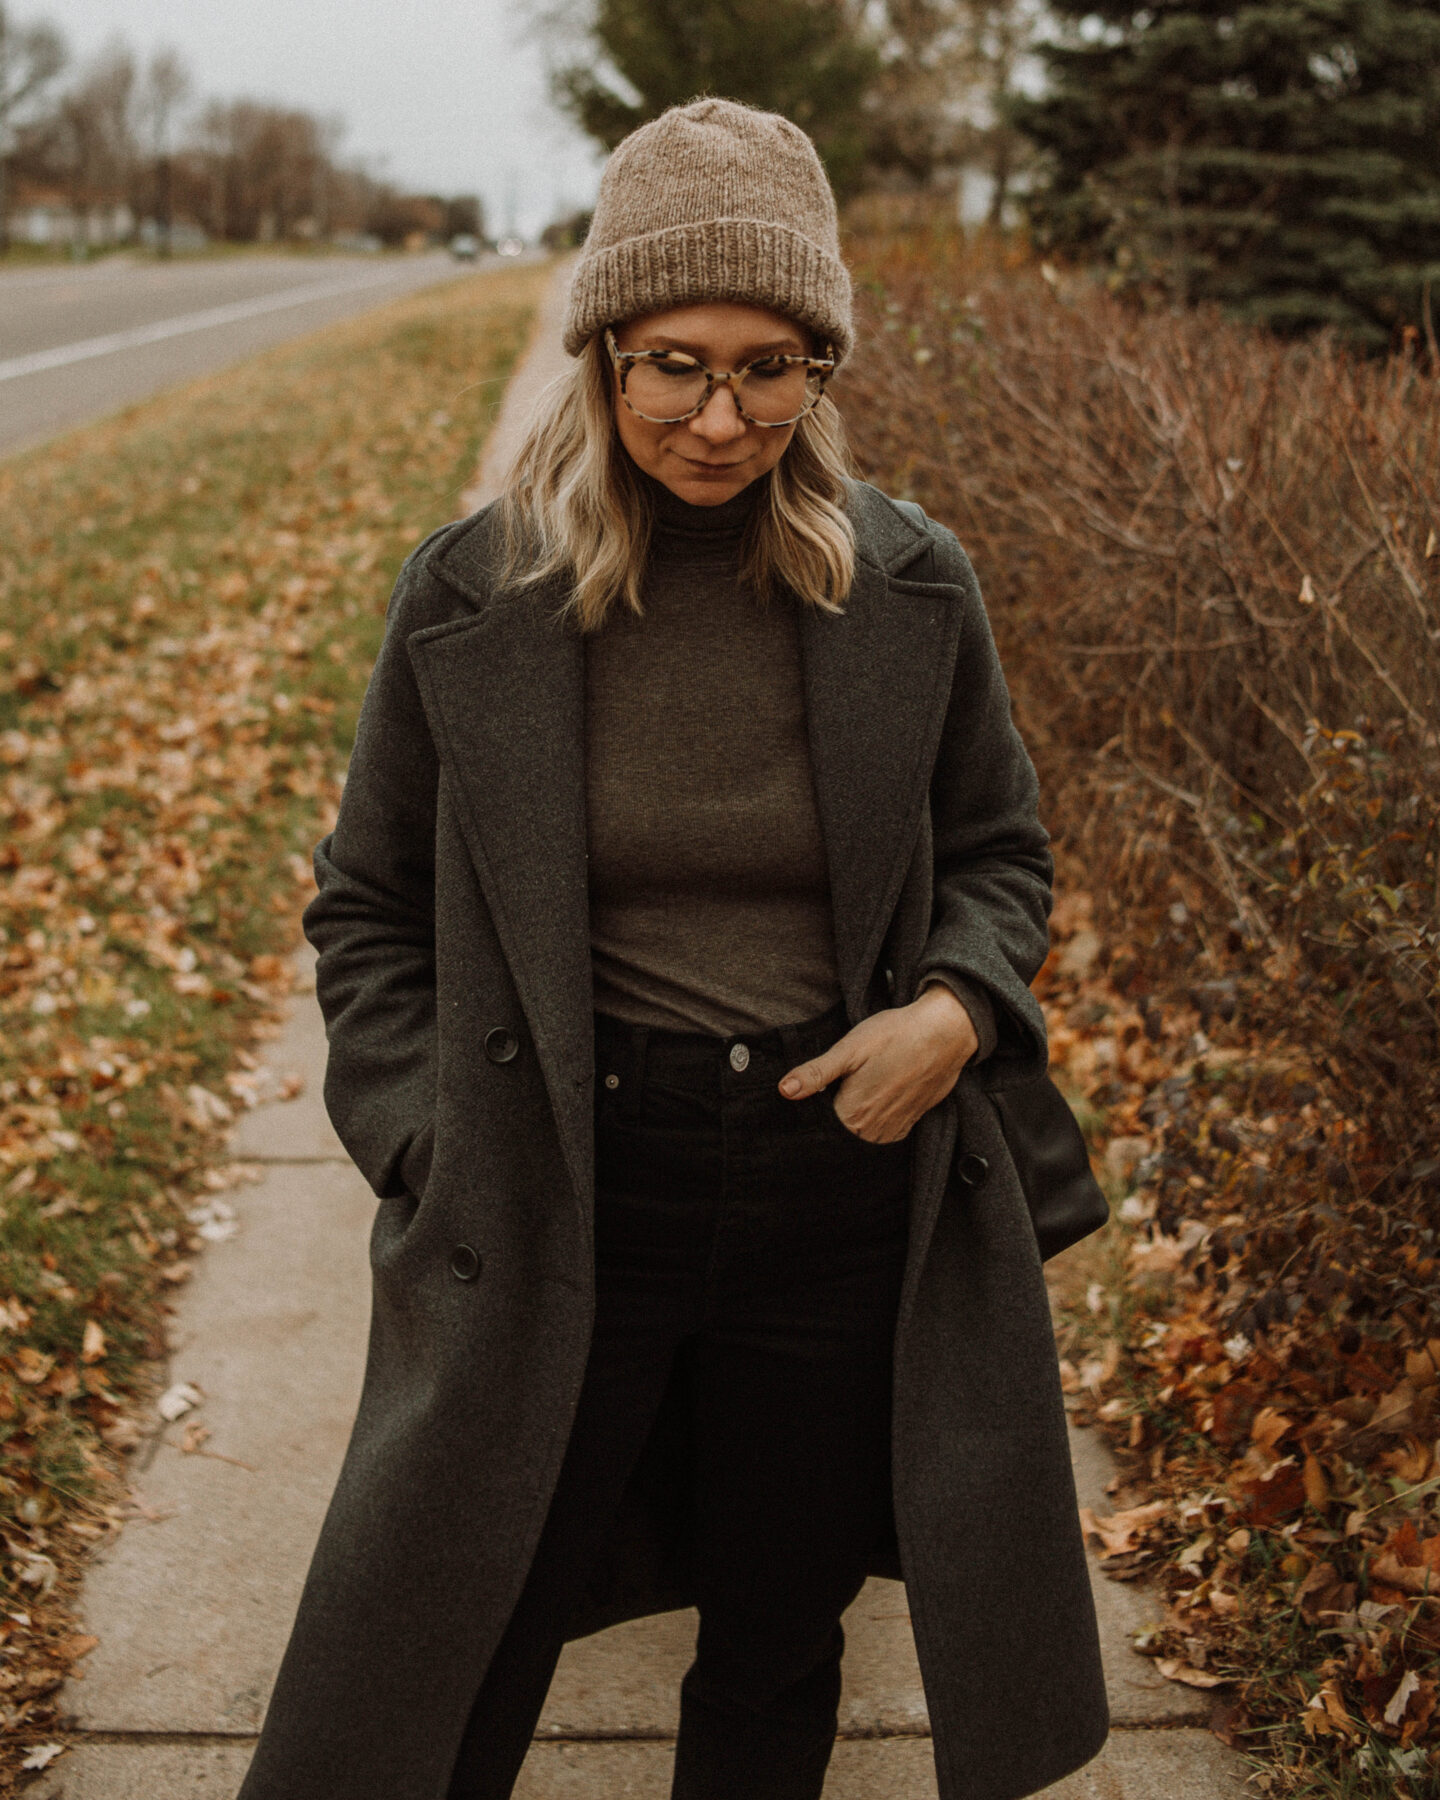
[892, 1067]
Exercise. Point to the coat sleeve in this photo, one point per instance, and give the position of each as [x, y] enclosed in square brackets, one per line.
[993, 867]
[373, 921]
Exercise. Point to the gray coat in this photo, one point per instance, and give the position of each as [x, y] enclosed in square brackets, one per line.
[452, 925]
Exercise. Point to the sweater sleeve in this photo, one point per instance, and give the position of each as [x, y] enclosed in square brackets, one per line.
[975, 1001]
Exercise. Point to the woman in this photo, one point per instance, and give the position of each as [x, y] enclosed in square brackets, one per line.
[675, 929]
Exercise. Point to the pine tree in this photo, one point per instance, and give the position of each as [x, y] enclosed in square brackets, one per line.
[812, 60]
[1281, 157]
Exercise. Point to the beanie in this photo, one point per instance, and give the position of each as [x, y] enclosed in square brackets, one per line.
[713, 201]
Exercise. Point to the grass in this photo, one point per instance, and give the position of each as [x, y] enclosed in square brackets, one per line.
[192, 596]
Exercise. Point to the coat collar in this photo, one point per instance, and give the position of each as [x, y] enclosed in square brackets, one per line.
[503, 689]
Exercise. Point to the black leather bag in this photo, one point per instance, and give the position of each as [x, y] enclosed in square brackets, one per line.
[1044, 1139]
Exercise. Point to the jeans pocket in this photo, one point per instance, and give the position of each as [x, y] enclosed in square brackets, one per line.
[837, 1127]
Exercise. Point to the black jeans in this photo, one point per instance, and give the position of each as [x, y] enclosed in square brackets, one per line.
[751, 1249]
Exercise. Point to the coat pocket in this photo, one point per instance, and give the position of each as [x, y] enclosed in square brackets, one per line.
[415, 1163]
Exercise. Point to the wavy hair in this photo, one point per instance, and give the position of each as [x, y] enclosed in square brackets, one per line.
[574, 505]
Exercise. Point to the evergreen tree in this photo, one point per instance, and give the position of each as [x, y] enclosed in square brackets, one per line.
[1279, 156]
[812, 60]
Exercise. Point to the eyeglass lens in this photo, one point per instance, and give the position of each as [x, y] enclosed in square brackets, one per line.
[769, 394]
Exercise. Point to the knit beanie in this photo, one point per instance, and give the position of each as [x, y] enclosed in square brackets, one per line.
[713, 201]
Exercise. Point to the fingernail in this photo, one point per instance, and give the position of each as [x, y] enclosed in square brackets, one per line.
[790, 1085]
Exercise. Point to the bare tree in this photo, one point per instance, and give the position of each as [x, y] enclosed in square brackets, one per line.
[31, 56]
[950, 67]
[166, 86]
[101, 153]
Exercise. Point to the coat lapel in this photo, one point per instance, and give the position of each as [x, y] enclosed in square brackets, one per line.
[504, 692]
[877, 682]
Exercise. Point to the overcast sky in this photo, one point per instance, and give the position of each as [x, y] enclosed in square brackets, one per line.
[440, 95]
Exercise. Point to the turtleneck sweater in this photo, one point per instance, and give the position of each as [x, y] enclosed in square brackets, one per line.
[709, 892]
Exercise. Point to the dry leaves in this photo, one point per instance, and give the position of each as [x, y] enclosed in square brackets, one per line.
[1280, 1445]
[190, 599]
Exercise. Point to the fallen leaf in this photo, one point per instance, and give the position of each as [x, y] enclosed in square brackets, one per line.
[30, 1365]
[1174, 1670]
[194, 1437]
[93, 1348]
[121, 1434]
[1406, 1562]
[1317, 1488]
[1400, 1699]
[1268, 1427]
[1274, 1496]
[1326, 1714]
[1120, 1532]
[14, 1316]
[36, 1570]
[1316, 1593]
[42, 1756]
[176, 1401]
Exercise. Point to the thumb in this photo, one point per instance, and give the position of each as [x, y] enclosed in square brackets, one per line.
[811, 1077]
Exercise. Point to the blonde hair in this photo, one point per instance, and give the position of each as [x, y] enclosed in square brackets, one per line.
[575, 506]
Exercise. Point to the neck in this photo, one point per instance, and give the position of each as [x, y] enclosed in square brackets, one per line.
[677, 519]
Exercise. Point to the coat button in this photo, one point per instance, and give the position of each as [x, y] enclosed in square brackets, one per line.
[501, 1045]
[972, 1168]
[464, 1262]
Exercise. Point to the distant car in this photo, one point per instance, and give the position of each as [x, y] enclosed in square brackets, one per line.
[511, 246]
[464, 247]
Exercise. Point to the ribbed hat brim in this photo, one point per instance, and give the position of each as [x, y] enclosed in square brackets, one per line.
[749, 260]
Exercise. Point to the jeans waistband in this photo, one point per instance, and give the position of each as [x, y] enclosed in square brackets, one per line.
[752, 1060]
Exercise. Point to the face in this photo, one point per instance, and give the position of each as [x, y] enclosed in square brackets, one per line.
[712, 457]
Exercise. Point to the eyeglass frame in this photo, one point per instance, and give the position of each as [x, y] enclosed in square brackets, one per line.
[625, 360]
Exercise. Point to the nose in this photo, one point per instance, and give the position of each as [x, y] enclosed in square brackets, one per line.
[719, 421]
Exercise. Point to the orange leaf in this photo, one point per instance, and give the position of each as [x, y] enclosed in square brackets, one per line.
[1317, 1488]
[1121, 1532]
[1174, 1670]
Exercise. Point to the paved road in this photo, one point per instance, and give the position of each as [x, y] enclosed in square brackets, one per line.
[78, 343]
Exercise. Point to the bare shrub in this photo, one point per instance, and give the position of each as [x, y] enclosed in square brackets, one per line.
[1212, 562]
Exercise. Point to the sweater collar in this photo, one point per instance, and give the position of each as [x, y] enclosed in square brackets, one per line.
[701, 528]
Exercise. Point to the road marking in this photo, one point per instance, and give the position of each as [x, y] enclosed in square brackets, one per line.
[89, 348]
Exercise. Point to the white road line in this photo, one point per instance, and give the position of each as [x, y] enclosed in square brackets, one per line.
[88, 348]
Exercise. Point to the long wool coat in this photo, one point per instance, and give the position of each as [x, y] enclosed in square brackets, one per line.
[454, 975]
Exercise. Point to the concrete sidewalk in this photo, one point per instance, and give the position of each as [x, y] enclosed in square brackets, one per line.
[193, 1603]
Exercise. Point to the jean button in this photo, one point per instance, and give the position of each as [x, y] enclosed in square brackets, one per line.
[739, 1058]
